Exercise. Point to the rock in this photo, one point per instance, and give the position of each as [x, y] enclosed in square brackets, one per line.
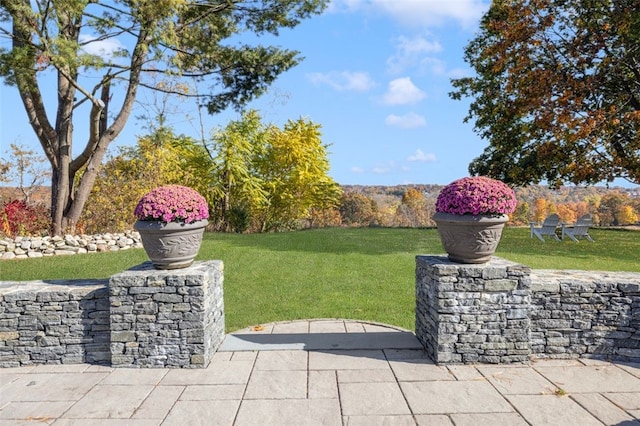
[30, 247]
[70, 240]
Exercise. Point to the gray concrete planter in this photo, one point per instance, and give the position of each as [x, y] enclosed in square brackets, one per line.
[468, 238]
[171, 245]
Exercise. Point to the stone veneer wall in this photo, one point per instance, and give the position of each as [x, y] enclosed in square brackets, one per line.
[502, 312]
[166, 318]
[495, 312]
[54, 322]
[473, 313]
[151, 319]
[585, 314]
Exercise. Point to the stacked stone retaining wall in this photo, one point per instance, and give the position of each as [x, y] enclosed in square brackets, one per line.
[166, 318]
[585, 314]
[473, 313]
[139, 318]
[501, 312]
[498, 312]
[54, 322]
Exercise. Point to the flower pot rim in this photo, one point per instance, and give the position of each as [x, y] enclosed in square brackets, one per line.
[159, 224]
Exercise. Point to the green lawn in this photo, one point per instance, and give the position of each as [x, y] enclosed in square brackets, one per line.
[365, 274]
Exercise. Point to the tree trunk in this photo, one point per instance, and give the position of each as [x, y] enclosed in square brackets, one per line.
[67, 199]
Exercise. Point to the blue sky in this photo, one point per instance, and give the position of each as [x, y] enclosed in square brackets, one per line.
[376, 77]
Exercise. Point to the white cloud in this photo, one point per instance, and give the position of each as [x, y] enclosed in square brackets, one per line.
[433, 12]
[385, 168]
[410, 51]
[382, 170]
[103, 48]
[420, 13]
[421, 156]
[419, 52]
[407, 121]
[439, 67]
[343, 81]
[402, 91]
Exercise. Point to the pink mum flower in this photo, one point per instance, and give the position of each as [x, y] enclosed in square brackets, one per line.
[477, 195]
[172, 203]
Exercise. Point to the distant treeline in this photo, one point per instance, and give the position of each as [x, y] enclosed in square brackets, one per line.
[393, 206]
[414, 204]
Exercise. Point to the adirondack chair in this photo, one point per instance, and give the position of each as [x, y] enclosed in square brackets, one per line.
[548, 228]
[580, 229]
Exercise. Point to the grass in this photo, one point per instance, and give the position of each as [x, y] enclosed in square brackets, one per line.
[365, 274]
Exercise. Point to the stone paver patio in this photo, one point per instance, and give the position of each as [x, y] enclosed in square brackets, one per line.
[324, 372]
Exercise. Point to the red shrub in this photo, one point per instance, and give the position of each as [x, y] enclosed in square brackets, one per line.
[20, 218]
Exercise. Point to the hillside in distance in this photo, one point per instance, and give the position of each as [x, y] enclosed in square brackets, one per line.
[385, 195]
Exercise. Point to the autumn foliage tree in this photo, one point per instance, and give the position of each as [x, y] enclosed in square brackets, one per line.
[255, 176]
[58, 43]
[159, 158]
[540, 210]
[415, 210]
[357, 209]
[293, 165]
[235, 189]
[267, 178]
[556, 91]
[616, 208]
[20, 215]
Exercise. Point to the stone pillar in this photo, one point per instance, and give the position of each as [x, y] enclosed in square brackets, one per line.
[166, 318]
[467, 313]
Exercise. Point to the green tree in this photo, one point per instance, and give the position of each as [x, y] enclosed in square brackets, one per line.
[182, 38]
[236, 189]
[293, 167]
[556, 91]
